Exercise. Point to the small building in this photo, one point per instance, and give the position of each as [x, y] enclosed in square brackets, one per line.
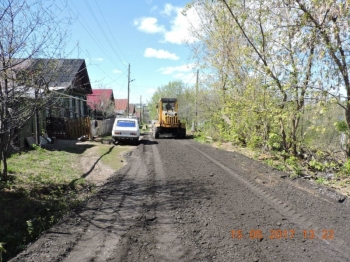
[121, 107]
[101, 103]
[68, 85]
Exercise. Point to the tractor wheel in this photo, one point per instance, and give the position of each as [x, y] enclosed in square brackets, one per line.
[156, 133]
[183, 133]
[179, 133]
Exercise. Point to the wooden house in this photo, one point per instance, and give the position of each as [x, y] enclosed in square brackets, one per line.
[68, 86]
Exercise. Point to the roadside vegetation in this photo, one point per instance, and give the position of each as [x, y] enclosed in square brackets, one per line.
[43, 186]
[274, 80]
[321, 166]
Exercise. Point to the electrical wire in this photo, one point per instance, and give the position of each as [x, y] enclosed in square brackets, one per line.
[94, 38]
[110, 31]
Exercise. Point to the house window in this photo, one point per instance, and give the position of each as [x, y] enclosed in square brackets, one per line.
[62, 112]
[71, 108]
[77, 107]
[82, 108]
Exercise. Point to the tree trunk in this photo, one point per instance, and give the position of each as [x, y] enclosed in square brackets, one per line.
[294, 136]
[284, 136]
[347, 117]
[4, 168]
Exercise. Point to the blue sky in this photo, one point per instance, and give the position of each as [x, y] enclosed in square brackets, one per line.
[147, 34]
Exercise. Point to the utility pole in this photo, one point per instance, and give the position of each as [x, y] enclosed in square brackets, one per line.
[127, 108]
[143, 113]
[140, 108]
[37, 120]
[196, 100]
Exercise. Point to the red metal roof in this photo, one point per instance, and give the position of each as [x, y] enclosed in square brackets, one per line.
[98, 95]
[120, 104]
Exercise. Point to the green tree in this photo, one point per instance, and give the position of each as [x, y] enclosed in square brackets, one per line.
[263, 46]
[331, 21]
[175, 89]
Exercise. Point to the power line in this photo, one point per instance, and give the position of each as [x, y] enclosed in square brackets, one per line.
[101, 28]
[92, 36]
[113, 80]
[121, 87]
[115, 41]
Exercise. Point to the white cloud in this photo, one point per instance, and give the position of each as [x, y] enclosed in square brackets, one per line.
[161, 54]
[168, 9]
[173, 69]
[148, 25]
[98, 59]
[116, 71]
[181, 25]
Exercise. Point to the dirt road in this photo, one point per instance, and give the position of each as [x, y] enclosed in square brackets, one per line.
[177, 200]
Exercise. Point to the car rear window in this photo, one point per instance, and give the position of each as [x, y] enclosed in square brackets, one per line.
[126, 123]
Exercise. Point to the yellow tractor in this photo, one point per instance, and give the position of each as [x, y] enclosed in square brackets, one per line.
[168, 120]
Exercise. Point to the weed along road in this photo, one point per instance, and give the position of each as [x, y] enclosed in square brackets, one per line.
[178, 200]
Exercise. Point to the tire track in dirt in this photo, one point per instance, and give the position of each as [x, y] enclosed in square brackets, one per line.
[115, 214]
[91, 232]
[169, 244]
[153, 237]
[173, 203]
[337, 246]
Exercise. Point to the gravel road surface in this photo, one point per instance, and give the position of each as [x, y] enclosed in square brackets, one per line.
[178, 200]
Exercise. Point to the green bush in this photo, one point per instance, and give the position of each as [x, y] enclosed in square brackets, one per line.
[346, 168]
[316, 165]
[293, 163]
[275, 141]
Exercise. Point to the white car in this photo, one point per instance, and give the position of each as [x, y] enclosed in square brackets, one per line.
[126, 129]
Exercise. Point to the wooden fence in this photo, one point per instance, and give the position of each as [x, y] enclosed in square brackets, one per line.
[64, 128]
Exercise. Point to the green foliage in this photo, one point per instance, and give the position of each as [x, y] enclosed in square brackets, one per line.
[255, 142]
[317, 165]
[345, 170]
[30, 228]
[274, 141]
[269, 97]
[293, 163]
[2, 250]
[321, 180]
[199, 137]
[341, 126]
[36, 147]
[275, 164]
[320, 132]
[49, 183]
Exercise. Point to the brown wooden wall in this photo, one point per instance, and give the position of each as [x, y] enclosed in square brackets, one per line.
[64, 128]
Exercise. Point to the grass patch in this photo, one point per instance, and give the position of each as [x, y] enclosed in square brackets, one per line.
[43, 186]
[43, 167]
[197, 136]
[112, 155]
